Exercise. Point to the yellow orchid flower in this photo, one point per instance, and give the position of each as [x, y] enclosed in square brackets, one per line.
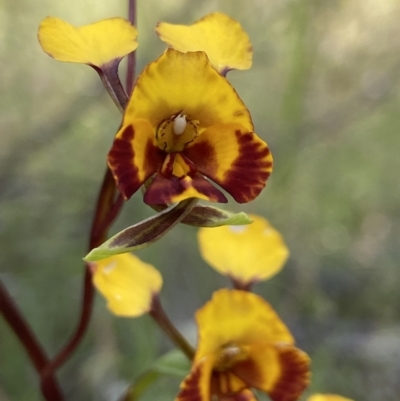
[247, 253]
[185, 122]
[243, 345]
[128, 284]
[96, 45]
[223, 39]
[327, 397]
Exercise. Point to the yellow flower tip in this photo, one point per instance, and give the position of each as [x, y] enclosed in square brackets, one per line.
[223, 39]
[327, 397]
[95, 44]
[243, 344]
[127, 283]
[247, 253]
[238, 316]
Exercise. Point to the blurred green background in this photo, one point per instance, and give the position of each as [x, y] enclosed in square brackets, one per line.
[324, 91]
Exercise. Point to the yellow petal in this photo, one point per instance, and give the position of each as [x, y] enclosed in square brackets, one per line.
[246, 253]
[281, 370]
[236, 159]
[223, 39]
[127, 283]
[185, 83]
[327, 397]
[238, 317]
[95, 44]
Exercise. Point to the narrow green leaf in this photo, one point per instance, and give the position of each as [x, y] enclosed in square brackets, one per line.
[143, 233]
[211, 216]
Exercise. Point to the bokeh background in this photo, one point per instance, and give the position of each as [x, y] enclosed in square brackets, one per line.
[324, 91]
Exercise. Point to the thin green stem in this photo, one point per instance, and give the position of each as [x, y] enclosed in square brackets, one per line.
[158, 314]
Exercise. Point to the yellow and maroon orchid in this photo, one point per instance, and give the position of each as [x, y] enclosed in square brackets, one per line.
[185, 123]
[243, 345]
[246, 253]
[128, 284]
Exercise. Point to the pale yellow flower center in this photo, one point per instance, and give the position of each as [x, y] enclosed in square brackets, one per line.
[175, 133]
[228, 356]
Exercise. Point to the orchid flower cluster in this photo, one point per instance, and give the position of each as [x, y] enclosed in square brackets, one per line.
[185, 128]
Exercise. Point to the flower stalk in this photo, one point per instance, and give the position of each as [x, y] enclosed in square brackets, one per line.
[161, 318]
[109, 204]
[109, 76]
[13, 316]
[131, 69]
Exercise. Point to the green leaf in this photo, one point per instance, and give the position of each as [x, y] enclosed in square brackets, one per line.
[210, 216]
[143, 233]
[173, 363]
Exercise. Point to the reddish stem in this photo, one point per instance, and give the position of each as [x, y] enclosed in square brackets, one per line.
[108, 206]
[161, 318]
[112, 215]
[240, 285]
[130, 72]
[24, 332]
[110, 78]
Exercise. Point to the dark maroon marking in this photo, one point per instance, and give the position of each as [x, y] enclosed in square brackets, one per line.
[154, 158]
[205, 187]
[295, 375]
[164, 189]
[120, 160]
[247, 176]
[248, 371]
[203, 156]
[190, 388]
